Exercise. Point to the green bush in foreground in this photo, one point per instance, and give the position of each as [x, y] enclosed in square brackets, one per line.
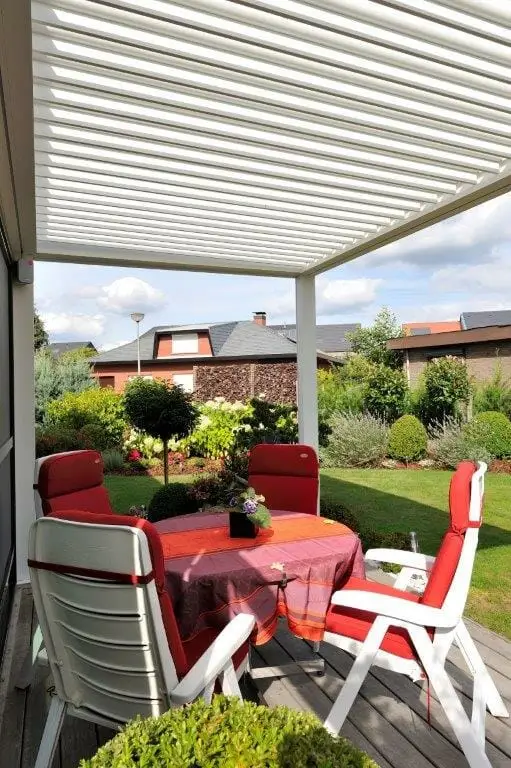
[408, 439]
[228, 733]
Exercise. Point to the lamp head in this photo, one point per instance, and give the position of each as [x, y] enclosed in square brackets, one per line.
[137, 317]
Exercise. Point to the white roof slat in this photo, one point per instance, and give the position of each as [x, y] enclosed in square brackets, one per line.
[285, 136]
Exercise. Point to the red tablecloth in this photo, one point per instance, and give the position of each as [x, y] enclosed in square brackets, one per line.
[211, 577]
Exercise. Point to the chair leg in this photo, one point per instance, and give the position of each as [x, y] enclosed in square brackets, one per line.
[51, 733]
[470, 741]
[229, 682]
[356, 677]
[478, 668]
[27, 670]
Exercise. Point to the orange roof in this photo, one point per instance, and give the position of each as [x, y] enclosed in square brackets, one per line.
[442, 327]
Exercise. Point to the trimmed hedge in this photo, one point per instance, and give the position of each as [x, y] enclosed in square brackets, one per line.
[228, 733]
[170, 501]
[408, 439]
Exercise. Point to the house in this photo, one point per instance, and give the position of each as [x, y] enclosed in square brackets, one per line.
[59, 348]
[480, 346]
[419, 329]
[332, 339]
[236, 360]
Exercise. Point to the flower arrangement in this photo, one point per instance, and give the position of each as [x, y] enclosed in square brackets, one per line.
[249, 503]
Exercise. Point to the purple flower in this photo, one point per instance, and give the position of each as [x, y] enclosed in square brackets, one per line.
[250, 506]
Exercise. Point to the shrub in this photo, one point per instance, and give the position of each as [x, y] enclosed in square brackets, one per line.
[358, 440]
[492, 430]
[215, 432]
[228, 733]
[160, 409]
[170, 501]
[94, 437]
[337, 394]
[408, 439]
[494, 395]
[100, 406]
[386, 393]
[54, 377]
[148, 447]
[452, 443]
[56, 439]
[113, 460]
[446, 388]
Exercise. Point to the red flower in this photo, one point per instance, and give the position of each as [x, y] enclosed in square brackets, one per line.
[134, 455]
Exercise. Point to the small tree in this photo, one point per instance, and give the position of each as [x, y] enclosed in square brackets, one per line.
[386, 393]
[446, 388]
[56, 377]
[161, 410]
[40, 335]
[372, 342]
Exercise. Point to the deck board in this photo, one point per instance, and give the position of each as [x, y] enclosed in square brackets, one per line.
[388, 720]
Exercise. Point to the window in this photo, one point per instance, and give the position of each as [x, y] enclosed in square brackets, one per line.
[185, 343]
[184, 380]
[107, 381]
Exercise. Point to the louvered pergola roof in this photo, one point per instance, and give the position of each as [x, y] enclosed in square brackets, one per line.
[269, 137]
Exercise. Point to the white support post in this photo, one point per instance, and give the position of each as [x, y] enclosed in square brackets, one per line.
[24, 421]
[307, 360]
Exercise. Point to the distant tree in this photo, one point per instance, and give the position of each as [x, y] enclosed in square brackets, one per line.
[82, 353]
[371, 342]
[40, 335]
[56, 377]
[161, 410]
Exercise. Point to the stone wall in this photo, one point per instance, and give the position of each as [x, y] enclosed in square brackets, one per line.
[241, 381]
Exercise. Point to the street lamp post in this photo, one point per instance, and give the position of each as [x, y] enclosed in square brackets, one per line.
[137, 317]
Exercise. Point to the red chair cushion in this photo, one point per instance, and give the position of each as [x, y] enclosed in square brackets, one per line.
[459, 496]
[350, 622]
[73, 481]
[156, 553]
[442, 573]
[286, 475]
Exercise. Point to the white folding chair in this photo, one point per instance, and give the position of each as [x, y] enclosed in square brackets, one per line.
[109, 629]
[412, 634]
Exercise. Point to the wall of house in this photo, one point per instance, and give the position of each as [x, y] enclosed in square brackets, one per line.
[240, 381]
[481, 359]
[122, 373]
[165, 345]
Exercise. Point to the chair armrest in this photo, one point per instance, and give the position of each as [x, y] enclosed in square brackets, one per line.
[214, 660]
[401, 557]
[394, 608]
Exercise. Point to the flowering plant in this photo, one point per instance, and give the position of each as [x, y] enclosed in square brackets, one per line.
[249, 503]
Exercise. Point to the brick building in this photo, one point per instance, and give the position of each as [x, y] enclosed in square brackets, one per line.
[481, 348]
[235, 360]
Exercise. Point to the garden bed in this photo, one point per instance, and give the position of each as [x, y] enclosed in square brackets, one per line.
[187, 467]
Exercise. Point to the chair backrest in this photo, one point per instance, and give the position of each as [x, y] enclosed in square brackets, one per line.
[72, 480]
[286, 475]
[107, 621]
[449, 580]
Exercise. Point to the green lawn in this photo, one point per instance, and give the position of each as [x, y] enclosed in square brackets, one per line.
[395, 500]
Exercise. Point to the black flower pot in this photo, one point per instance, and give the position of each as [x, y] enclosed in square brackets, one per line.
[241, 527]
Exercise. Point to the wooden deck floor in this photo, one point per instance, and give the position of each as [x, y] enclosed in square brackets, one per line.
[388, 719]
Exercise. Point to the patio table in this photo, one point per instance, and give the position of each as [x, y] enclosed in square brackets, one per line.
[289, 570]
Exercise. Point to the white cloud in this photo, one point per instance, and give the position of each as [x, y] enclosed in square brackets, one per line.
[459, 240]
[80, 327]
[489, 277]
[332, 297]
[130, 294]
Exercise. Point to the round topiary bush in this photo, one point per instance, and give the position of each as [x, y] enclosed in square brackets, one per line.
[170, 501]
[228, 733]
[491, 430]
[408, 439]
[93, 437]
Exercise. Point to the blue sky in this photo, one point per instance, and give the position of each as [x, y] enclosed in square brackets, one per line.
[463, 264]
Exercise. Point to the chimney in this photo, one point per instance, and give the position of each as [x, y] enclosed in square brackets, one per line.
[260, 318]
